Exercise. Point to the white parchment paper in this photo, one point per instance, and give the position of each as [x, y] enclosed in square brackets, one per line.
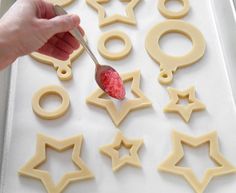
[209, 76]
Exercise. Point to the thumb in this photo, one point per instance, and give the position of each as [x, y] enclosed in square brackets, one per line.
[62, 23]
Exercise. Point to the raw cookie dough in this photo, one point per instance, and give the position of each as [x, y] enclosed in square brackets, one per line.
[107, 20]
[109, 36]
[62, 3]
[173, 14]
[112, 151]
[63, 68]
[171, 163]
[118, 115]
[30, 169]
[169, 64]
[50, 90]
[185, 111]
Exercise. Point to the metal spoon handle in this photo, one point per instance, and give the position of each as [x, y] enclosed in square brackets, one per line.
[76, 33]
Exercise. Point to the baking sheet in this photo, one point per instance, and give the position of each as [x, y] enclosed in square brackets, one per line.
[209, 76]
[4, 88]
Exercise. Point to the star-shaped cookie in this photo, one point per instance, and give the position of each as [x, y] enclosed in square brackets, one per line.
[171, 163]
[112, 151]
[185, 111]
[128, 105]
[30, 168]
[105, 20]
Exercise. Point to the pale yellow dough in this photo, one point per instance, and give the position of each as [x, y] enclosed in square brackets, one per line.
[169, 64]
[50, 90]
[30, 169]
[171, 163]
[63, 68]
[118, 115]
[112, 151]
[109, 36]
[62, 3]
[185, 111]
[107, 20]
[173, 14]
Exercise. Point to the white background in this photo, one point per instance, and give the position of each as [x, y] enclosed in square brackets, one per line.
[151, 124]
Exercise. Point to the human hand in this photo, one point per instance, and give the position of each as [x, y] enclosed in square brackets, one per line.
[32, 25]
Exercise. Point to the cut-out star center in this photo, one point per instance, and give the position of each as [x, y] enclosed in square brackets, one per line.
[30, 168]
[112, 5]
[191, 105]
[58, 164]
[184, 100]
[123, 149]
[119, 114]
[193, 156]
[171, 163]
[118, 161]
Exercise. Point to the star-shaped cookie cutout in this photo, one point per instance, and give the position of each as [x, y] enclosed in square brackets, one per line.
[118, 115]
[112, 151]
[30, 168]
[171, 163]
[185, 111]
[107, 20]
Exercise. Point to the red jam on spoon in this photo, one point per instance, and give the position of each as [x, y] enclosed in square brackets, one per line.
[112, 84]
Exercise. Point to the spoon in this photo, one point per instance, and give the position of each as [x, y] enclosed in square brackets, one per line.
[106, 77]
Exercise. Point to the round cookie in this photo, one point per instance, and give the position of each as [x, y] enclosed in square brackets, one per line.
[169, 64]
[109, 36]
[50, 90]
[173, 14]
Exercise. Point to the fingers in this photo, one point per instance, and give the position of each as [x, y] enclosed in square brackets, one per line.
[49, 10]
[45, 10]
[53, 51]
[61, 44]
[69, 39]
[62, 23]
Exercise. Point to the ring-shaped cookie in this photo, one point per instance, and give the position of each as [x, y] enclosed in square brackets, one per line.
[50, 90]
[169, 64]
[111, 36]
[173, 14]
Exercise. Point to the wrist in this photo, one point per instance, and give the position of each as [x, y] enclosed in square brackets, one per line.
[8, 50]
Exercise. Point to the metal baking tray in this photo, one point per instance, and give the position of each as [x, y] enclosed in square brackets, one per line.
[214, 77]
[4, 87]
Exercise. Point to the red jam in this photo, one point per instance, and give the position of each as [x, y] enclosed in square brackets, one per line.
[112, 84]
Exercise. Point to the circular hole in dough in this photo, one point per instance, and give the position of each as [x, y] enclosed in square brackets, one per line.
[174, 5]
[174, 9]
[165, 76]
[115, 45]
[111, 37]
[42, 96]
[63, 71]
[175, 44]
[50, 102]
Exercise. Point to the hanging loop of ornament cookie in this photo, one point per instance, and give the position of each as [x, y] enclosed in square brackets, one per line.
[168, 63]
[44, 92]
[109, 36]
[173, 14]
[63, 68]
